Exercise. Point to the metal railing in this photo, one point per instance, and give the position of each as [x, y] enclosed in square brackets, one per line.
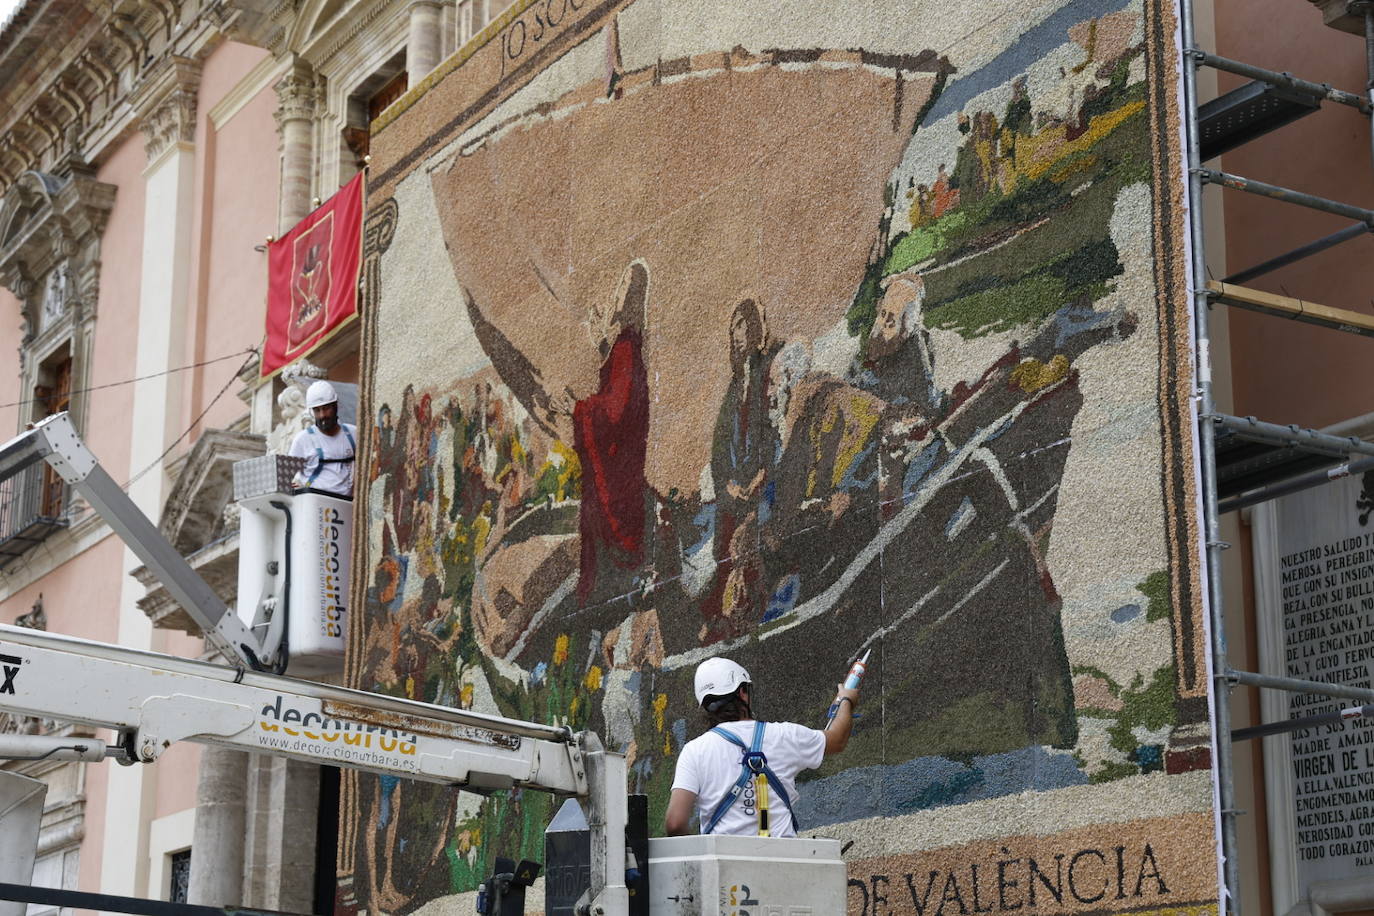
[24, 519]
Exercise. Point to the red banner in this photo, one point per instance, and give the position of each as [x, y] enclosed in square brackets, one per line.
[312, 277]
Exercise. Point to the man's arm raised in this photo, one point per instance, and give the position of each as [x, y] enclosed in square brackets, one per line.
[837, 732]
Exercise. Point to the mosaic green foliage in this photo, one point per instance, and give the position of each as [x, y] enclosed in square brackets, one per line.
[1156, 589]
[559, 692]
[1000, 247]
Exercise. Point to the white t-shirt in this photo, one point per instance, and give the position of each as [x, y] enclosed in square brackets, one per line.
[334, 476]
[709, 766]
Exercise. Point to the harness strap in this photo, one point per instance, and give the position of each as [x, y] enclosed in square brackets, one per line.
[321, 461]
[753, 764]
[758, 765]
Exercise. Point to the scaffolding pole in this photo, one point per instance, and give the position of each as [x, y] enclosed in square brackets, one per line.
[1296, 484]
[1293, 435]
[1223, 677]
[1206, 407]
[1354, 230]
[1302, 722]
[1287, 195]
[1282, 80]
[1295, 685]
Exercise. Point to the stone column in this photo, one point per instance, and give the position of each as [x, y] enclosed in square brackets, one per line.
[281, 832]
[296, 795]
[296, 95]
[448, 28]
[164, 104]
[221, 823]
[425, 41]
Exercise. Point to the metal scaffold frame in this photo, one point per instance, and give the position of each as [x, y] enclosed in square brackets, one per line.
[1281, 459]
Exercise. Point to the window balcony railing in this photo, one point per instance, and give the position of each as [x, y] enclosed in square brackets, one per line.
[31, 509]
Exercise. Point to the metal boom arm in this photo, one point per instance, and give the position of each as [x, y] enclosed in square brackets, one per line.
[153, 700]
[55, 441]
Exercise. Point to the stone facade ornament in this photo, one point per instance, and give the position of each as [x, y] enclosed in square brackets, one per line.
[165, 102]
[35, 619]
[50, 234]
[55, 295]
[297, 97]
[296, 94]
[229, 518]
[292, 414]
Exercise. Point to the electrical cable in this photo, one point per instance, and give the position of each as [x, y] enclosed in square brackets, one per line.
[253, 352]
[68, 514]
[208, 362]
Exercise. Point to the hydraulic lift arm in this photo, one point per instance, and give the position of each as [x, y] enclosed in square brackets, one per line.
[55, 441]
[153, 700]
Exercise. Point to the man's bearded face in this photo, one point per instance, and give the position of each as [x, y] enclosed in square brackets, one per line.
[327, 417]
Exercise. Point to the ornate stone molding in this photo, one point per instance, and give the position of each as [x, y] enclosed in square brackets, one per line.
[1337, 14]
[195, 520]
[164, 102]
[50, 229]
[50, 237]
[359, 22]
[297, 94]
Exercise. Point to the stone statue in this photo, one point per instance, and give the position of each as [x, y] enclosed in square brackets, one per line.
[292, 414]
[55, 296]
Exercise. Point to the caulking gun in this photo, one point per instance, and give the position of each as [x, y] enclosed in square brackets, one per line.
[852, 682]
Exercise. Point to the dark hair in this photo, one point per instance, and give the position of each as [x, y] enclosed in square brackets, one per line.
[729, 708]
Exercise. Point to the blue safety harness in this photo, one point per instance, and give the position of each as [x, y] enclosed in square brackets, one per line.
[321, 461]
[752, 763]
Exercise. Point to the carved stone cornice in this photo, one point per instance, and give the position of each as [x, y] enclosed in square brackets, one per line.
[46, 219]
[297, 94]
[94, 63]
[254, 22]
[42, 122]
[124, 31]
[1338, 15]
[164, 102]
[200, 520]
[343, 30]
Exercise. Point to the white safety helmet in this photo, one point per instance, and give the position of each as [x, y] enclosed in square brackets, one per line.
[319, 394]
[719, 677]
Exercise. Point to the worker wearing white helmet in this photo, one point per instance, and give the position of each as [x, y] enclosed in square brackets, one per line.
[328, 446]
[740, 777]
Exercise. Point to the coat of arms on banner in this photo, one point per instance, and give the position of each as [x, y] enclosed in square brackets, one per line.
[313, 277]
[311, 257]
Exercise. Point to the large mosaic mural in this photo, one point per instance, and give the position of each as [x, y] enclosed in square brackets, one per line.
[787, 331]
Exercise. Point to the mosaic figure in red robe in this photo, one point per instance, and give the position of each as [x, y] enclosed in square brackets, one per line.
[611, 431]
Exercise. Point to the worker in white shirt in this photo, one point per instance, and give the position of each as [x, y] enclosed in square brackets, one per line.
[740, 776]
[328, 446]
